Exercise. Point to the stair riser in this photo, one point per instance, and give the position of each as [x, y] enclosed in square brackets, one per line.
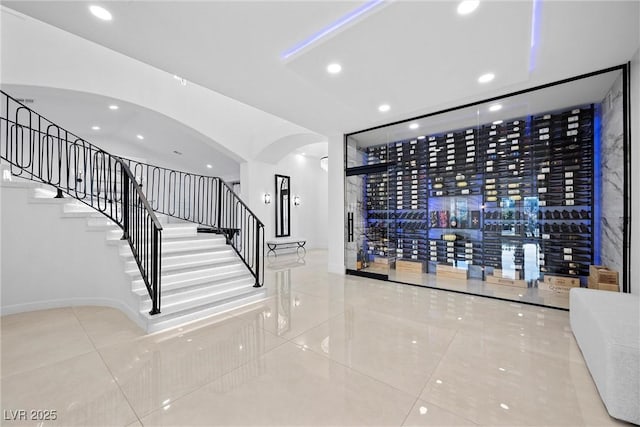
[221, 283]
[195, 298]
[185, 251]
[194, 246]
[212, 280]
[169, 260]
[155, 324]
[133, 271]
[167, 233]
[194, 277]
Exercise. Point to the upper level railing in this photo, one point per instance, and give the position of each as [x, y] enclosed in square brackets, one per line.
[205, 200]
[39, 150]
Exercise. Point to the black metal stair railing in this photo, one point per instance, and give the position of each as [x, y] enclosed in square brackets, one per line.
[208, 201]
[39, 150]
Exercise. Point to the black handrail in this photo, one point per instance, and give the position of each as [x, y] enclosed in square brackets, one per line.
[205, 200]
[39, 150]
[208, 201]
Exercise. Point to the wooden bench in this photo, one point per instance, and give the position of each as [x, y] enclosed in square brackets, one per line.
[275, 245]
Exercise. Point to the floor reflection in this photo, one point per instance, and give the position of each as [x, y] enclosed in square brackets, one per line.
[284, 261]
[530, 294]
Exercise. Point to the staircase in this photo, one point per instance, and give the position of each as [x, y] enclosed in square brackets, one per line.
[201, 276]
[176, 274]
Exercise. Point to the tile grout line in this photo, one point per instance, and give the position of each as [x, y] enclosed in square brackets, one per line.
[284, 341]
[241, 365]
[107, 367]
[124, 395]
[73, 310]
[354, 369]
[404, 420]
[430, 376]
[2, 376]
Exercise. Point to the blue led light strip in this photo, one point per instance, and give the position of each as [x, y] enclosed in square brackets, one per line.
[332, 27]
[597, 184]
[535, 30]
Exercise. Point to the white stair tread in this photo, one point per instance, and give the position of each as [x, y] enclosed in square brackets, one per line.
[7, 179]
[165, 321]
[204, 301]
[102, 223]
[43, 192]
[212, 292]
[78, 207]
[195, 276]
[207, 254]
[211, 280]
[188, 262]
[187, 301]
[169, 231]
[195, 243]
[46, 195]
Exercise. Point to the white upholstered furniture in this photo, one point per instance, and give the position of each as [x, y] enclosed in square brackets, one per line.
[607, 328]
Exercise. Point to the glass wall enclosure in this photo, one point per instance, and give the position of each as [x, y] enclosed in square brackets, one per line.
[503, 198]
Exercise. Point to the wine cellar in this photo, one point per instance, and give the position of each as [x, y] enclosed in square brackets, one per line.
[508, 201]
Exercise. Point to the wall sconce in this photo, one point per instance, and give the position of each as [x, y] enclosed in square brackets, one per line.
[267, 198]
[324, 163]
[296, 200]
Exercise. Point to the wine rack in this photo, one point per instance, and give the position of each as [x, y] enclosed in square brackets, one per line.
[514, 194]
[407, 196]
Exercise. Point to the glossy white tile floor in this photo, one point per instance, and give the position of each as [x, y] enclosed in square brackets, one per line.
[324, 350]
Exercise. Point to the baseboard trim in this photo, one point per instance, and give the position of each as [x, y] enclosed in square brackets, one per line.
[75, 302]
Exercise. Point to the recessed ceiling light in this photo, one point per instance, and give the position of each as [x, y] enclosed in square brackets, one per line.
[113, 107]
[486, 78]
[95, 127]
[209, 166]
[100, 12]
[495, 107]
[468, 6]
[139, 136]
[384, 108]
[334, 68]
[497, 122]
[414, 126]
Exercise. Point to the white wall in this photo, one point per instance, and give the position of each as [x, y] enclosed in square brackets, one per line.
[635, 174]
[50, 261]
[336, 204]
[308, 180]
[38, 54]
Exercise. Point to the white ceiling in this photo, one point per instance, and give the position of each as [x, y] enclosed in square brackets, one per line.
[577, 93]
[418, 56]
[79, 112]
